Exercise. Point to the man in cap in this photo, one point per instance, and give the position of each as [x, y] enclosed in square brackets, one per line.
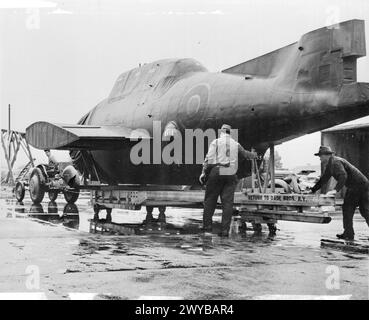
[357, 193]
[219, 171]
[52, 160]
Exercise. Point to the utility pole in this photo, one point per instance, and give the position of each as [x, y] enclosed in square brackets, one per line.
[9, 135]
[9, 117]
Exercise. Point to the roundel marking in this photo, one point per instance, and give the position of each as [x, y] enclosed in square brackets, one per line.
[193, 105]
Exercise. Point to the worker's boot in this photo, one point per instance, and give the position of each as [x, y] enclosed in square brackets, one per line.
[345, 236]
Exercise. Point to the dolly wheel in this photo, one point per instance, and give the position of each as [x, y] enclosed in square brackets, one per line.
[19, 191]
[53, 194]
[37, 186]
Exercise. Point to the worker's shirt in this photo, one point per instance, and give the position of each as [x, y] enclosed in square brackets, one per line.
[224, 152]
[344, 172]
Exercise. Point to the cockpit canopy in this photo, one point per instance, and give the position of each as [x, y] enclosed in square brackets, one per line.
[157, 76]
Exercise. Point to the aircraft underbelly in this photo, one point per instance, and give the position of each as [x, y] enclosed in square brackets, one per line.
[115, 167]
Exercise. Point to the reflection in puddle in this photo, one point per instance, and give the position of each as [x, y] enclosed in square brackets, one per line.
[68, 217]
[174, 253]
[181, 231]
[52, 207]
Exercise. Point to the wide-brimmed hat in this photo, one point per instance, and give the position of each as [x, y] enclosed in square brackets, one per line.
[324, 150]
[226, 128]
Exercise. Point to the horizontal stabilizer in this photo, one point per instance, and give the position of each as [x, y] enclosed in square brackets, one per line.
[323, 58]
[45, 135]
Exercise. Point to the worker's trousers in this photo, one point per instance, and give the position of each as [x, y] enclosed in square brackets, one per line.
[355, 197]
[223, 186]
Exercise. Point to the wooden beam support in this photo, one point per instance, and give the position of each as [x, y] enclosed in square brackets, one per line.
[11, 177]
[272, 166]
[11, 142]
[267, 175]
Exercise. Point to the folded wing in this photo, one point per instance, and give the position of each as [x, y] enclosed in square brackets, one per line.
[45, 135]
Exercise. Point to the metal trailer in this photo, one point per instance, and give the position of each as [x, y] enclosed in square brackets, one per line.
[265, 202]
[254, 207]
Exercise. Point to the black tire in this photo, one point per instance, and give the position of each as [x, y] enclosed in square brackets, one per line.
[19, 191]
[71, 196]
[37, 186]
[53, 194]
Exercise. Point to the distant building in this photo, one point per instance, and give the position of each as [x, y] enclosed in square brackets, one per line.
[350, 142]
[307, 169]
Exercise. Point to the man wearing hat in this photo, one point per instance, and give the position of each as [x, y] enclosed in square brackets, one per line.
[357, 193]
[219, 171]
[52, 160]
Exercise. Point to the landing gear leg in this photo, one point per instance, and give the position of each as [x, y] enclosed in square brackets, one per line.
[162, 217]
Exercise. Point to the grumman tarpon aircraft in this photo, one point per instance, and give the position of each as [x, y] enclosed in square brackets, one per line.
[301, 88]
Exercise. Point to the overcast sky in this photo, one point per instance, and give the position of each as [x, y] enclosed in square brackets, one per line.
[60, 58]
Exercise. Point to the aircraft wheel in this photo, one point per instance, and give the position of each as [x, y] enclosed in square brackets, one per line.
[53, 194]
[19, 191]
[71, 196]
[37, 186]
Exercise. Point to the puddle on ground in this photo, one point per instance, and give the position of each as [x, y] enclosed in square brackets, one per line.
[181, 231]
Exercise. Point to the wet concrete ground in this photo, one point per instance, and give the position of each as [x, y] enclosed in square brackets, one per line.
[176, 261]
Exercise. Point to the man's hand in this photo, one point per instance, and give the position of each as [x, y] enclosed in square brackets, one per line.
[331, 193]
[202, 178]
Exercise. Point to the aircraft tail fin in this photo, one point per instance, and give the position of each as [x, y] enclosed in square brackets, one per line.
[322, 58]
